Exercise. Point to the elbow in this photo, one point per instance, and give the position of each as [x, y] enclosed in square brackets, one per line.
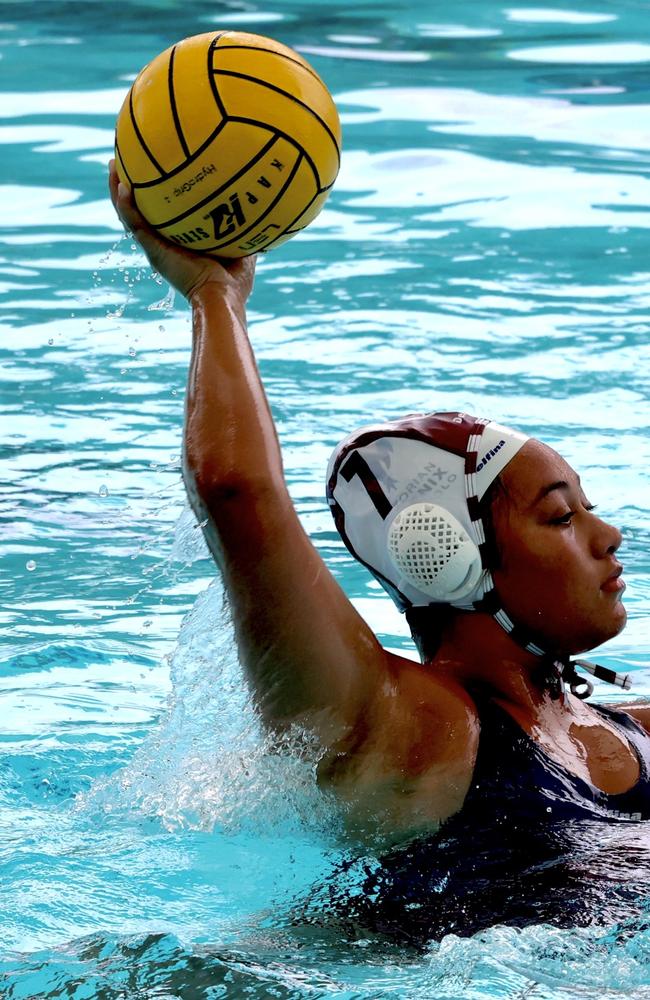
[211, 488]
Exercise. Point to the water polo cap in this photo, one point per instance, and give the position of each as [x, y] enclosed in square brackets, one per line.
[405, 497]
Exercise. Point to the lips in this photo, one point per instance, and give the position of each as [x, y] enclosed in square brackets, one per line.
[614, 584]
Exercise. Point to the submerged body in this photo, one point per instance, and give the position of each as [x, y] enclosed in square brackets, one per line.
[416, 752]
[533, 843]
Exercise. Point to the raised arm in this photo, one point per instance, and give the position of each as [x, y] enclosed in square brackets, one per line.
[309, 656]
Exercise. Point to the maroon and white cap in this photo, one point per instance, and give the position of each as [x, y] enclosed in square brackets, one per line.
[405, 496]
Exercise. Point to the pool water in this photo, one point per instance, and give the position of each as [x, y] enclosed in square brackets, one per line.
[485, 248]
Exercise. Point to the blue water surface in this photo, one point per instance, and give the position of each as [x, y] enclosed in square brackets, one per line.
[485, 248]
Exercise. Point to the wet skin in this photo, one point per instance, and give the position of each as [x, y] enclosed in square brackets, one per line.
[559, 575]
[398, 738]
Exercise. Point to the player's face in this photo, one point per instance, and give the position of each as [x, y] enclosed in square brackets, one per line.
[558, 576]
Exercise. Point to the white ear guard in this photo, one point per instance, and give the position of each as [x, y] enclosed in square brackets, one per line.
[406, 500]
[431, 551]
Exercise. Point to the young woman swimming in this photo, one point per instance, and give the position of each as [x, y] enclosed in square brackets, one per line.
[487, 541]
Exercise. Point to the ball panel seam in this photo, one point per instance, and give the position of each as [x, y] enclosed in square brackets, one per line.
[284, 93]
[283, 135]
[174, 109]
[118, 157]
[216, 192]
[138, 133]
[209, 69]
[258, 48]
[182, 166]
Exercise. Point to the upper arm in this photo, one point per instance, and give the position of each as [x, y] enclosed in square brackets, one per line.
[400, 743]
[408, 766]
[309, 655]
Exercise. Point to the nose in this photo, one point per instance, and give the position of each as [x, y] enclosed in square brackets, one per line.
[606, 538]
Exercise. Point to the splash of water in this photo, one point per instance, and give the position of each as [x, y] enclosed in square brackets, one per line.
[209, 764]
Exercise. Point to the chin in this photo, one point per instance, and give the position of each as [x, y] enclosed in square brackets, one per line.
[575, 641]
[619, 616]
[613, 628]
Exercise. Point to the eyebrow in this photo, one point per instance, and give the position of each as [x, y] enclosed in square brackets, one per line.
[561, 484]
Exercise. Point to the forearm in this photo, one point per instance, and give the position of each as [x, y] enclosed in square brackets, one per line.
[230, 443]
[230, 439]
[308, 656]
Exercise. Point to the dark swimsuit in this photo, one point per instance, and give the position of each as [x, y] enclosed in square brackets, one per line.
[532, 844]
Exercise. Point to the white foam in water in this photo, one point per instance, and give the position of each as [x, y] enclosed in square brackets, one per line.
[208, 764]
[540, 963]
[189, 543]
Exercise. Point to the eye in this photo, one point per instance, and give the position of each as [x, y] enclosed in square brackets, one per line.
[570, 514]
[564, 518]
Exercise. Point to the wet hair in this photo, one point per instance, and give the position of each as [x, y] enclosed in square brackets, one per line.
[428, 624]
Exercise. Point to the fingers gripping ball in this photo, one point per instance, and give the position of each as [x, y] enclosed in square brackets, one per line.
[230, 142]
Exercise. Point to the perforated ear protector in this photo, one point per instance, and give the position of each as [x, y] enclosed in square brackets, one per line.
[380, 478]
[431, 550]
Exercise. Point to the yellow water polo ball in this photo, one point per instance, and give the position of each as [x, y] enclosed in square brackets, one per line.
[230, 143]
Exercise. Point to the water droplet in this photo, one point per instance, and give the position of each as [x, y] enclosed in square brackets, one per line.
[103, 491]
[174, 391]
[30, 565]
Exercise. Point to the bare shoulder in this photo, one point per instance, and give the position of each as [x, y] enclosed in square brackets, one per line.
[408, 764]
[436, 715]
[639, 710]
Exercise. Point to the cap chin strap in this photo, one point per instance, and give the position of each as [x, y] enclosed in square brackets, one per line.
[582, 687]
[564, 668]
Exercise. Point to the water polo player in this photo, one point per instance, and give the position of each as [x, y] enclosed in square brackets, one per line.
[481, 776]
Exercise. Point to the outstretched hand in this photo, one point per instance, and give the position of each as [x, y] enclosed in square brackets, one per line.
[187, 271]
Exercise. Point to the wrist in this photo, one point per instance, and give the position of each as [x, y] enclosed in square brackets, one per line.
[228, 282]
[217, 302]
[213, 290]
